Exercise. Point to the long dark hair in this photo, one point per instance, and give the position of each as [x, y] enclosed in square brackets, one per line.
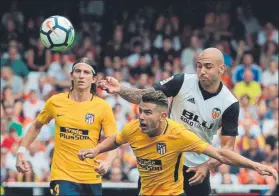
[93, 88]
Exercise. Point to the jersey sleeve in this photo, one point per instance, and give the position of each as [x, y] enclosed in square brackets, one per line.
[108, 124]
[171, 86]
[46, 114]
[190, 142]
[122, 136]
[230, 120]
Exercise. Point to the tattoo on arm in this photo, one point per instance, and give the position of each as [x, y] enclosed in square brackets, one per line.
[133, 95]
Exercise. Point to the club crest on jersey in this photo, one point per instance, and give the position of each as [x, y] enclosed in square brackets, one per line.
[89, 118]
[161, 148]
[216, 113]
[166, 80]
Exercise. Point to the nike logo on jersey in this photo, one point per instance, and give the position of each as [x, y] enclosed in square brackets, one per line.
[192, 100]
[60, 115]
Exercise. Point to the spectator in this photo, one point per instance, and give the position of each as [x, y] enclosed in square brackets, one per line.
[250, 22]
[9, 79]
[270, 126]
[43, 87]
[3, 163]
[254, 152]
[270, 75]
[38, 57]
[116, 175]
[11, 158]
[9, 99]
[269, 33]
[59, 71]
[270, 52]
[273, 107]
[227, 58]
[223, 176]
[13, 121]
[238, 71]
[246, 107]
[10, 139]
[37, 159]
[31, 106]
[133, 59]
[188, 54]
[17, 65]
[248, 129]
[249, 87]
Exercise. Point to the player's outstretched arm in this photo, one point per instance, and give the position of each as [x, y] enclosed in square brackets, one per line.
[229, 157]
[28, 139]
[107, 145]
[133, 95]
[112, 85]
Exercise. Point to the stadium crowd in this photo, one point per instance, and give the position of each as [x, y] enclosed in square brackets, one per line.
[142, 48]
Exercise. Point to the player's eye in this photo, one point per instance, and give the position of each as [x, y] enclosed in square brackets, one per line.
[87, 72]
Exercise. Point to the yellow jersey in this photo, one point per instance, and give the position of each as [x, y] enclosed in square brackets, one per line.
[77, 125]
[160, 159]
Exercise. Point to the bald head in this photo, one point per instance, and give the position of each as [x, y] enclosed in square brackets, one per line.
[213, 54]
[210, 68]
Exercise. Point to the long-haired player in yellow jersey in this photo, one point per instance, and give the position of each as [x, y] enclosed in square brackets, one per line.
[79, 115]
[158, 143]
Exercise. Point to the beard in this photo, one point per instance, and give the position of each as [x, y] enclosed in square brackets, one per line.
[209, 83]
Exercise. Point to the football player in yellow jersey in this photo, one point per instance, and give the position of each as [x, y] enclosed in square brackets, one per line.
[158, 143]
[79, 115]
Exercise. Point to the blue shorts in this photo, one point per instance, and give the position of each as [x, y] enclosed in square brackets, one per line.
[63, 187]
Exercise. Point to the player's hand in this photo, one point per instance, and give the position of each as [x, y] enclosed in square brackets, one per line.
[265, 170]
[103, 167]
[21, 163]
[200, 174]
[110, 85]
[88, 153]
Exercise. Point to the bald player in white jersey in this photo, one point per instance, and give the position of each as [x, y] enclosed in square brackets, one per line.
[203, 104]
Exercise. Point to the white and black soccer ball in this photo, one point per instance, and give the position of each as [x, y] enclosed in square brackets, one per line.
[57, 33]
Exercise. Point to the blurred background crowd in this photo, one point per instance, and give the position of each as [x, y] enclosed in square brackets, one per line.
[140, 43]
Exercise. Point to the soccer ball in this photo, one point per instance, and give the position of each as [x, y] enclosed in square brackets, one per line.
[57, 33]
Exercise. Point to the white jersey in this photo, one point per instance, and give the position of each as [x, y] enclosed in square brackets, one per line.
[200, 111]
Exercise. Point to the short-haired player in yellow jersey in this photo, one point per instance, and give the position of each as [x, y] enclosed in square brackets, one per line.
[158, 143]
[79, 115]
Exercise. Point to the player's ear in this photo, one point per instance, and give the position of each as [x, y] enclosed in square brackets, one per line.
[222, 69]
[94, 79]
[164, 115]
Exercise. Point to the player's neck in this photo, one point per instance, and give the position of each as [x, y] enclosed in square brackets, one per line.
[161, 129]
[80, 96]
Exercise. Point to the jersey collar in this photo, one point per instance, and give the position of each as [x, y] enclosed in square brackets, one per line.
[207, 95]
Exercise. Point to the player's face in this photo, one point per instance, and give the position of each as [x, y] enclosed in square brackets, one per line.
[150, 118]
[82, 77]
[209, 71]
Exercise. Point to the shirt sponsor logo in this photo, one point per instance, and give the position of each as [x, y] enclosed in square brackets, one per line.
[73, 133]
[150, 165]
[195, 121]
